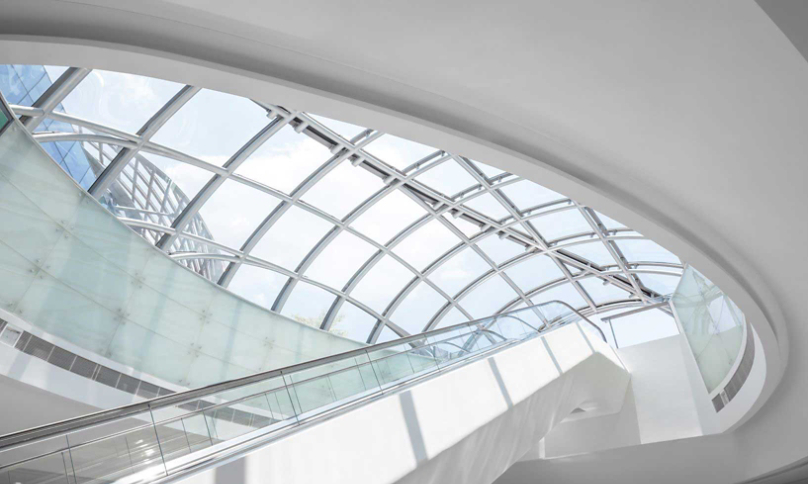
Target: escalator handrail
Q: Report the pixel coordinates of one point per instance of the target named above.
(104, 416)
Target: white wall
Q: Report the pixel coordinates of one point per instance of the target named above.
(673, 186)
(666, 409)
(33, 392)
(585, 435)
(658, 406)
(466, 425)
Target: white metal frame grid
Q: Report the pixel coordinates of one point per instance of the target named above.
(166, 217)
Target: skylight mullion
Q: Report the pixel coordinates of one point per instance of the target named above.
(453, 299)
(419, 276)
(86, 125)
(294, 199)
(48, 137)
(110, 174)
(539, 241)
(429, 161)
(218, 180)
(383, 250)
(511, 208)
(596, 225)
(407, 180)
(289, 274)
(55, 94)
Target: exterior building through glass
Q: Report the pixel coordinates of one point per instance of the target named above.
(338, 226)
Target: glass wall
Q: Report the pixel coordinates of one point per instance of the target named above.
(712, 323)
(70, 268)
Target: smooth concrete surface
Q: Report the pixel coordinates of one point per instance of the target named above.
(33, 392)
(485, 415)
(663, 397)
(658, 406)
(576, 436)
(684, 120)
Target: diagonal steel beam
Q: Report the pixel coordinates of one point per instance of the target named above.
(55, 94)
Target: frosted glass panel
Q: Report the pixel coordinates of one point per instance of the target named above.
(712, 323)
(69, 267)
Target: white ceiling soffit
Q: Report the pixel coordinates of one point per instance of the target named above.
(685, 120)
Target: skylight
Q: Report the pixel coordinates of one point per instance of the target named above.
(389, 232)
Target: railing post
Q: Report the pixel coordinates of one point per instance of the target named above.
(157, 438)
(292, 402)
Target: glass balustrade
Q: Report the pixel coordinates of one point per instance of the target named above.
(161, 437)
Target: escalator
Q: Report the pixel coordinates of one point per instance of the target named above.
(456, 404)
(187, 434)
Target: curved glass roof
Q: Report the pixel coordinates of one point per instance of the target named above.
(339, 226)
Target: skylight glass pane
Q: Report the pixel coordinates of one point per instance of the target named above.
(70, 155)
(340, 260)
(534, 272)
(561, 224)
(387, 335)
(119, 100)
(487, 205)
(565, 292)
(343, 189)
(454, 316)
(646, 251)
(417, 309)
(55, 72)
(488, 170)
(397, 152)
(308, 304)
(426, 244)
(382, 283)
(258, 285)
(609, 222)
(459, 271)
(603, 293)
(526, 194)
(234, 211)
(467, 228)
(285, 160)
(488, 298)
(661, 284)
(448, 178)
(291, 238)
(188, 178)
(346, 130)
(353, 323)
(16, 82)
(212, 126)
(500, 250)
(595, 252)
(389, 216)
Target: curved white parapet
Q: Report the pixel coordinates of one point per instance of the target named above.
(72, 270)
(468, 425)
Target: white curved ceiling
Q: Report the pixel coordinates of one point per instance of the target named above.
(685, 120)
